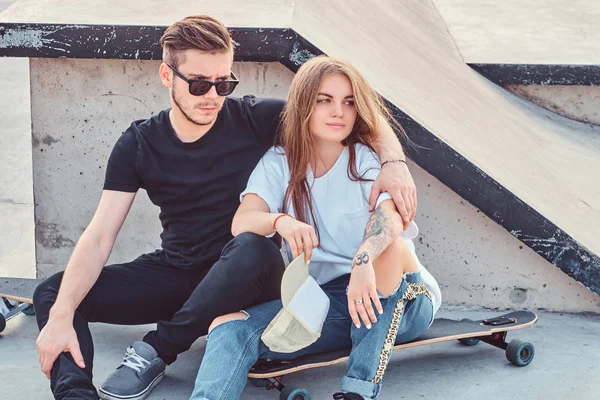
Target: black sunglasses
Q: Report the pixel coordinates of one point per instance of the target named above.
(199, 87)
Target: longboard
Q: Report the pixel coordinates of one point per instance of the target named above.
(493, 331)
(20, 291)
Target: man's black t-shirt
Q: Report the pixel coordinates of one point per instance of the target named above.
(196, 185)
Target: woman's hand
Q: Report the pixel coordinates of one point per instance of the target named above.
(362, 291)
(300, 236)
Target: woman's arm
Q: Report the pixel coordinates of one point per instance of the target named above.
(383, 228)
(253, 216)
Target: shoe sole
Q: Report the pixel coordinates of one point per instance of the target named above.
(104, 395)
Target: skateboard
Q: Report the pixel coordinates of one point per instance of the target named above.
(16, 297)
(269, 373)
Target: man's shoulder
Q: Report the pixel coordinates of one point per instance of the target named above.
(146, 127)
(149, 125)
(142, 129)
(250, 99)
(252, 104)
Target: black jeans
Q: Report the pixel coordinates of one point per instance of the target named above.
(184, 303)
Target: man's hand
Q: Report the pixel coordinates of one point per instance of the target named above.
(395, 178)
(56, 337)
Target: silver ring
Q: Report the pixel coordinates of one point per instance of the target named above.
(359, 302)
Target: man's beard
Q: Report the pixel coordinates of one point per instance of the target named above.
(202, 121)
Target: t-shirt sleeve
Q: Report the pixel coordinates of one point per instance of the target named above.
(264, 115)
(121, 174)
(369, 167)
(267, 180)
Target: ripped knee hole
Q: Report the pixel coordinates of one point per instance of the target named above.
(227, 318)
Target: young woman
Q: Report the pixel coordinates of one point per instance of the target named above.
(313, 190)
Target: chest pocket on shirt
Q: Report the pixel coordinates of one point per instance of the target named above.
(349, 231)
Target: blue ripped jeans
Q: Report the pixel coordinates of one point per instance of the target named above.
(233, 347)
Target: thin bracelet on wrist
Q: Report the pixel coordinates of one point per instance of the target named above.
(277, 219)
(390, 161)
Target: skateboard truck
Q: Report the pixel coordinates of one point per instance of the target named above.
(13, 312)
(499, 321)
(16, 296)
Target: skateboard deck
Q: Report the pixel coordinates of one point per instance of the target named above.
(20, 291)
(492, 331)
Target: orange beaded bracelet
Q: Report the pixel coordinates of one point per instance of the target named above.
(277, 219)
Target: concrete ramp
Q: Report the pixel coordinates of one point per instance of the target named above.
(551, 32)
(547, 162)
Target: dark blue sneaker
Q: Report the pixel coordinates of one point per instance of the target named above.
(137, 375)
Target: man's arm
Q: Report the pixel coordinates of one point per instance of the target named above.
(395, 178)
(86, 262)
(386, 142)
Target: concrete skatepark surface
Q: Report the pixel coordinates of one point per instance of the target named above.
(565, 364)
(524, 32)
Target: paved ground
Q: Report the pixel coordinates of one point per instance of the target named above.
(566, 365)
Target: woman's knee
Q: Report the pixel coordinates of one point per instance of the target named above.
(418, 316)
(391, 266)
(227, 318)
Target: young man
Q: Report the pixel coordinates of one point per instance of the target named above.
(193, 160)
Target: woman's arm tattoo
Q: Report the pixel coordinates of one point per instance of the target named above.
(379, 234)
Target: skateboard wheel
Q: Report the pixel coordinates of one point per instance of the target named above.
(2, 323)
(258, 382)
(469, 341)
(29, 311)
(520, 353)
(291, 392)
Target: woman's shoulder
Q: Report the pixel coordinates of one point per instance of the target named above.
(276, 153)
(366, 158)
(275, 157)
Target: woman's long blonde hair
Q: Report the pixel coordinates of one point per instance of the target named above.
(297, 140)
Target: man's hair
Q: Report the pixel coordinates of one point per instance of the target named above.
(199, 32)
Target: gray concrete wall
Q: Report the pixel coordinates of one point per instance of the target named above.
(581, 103)
(17, 250)
(80, 107)
(478, 263)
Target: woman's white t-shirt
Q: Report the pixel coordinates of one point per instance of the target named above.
(341, 208)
